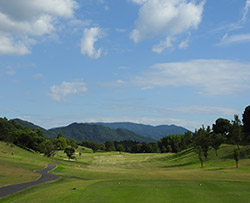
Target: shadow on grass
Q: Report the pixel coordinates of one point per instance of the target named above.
(179, 165)
(244, 153)
(186, 154)
(215, 169)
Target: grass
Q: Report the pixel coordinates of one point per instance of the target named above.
(17, 165)
(114, 177)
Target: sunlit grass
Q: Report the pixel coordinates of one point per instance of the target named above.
(115, 177)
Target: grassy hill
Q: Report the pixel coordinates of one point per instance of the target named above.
(98, 133)
(154, 132)
(114, 177)
(17, 165)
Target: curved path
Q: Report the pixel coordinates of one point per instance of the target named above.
(4, 191)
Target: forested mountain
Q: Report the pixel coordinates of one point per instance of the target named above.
(156, 133)
(98, 133)
(49, 134)
(101, 132)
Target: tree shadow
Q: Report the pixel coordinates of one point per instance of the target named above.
(179, 165)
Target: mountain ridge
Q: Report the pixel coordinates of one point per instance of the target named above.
(98, 133)
(128, 130)
(84, 131)
(154, 132)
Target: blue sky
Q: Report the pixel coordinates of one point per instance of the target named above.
(182, 62)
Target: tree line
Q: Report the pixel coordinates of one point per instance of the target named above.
(234, 132)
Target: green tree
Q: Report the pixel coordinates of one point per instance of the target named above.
(69, 152)
(72, 143)
(216, 141)
(136, 148)
(168, 148)
(164, 149)
(236, 131)
(246, 124)
(187, 139)
(202, 140)
(200, 154)
(236, 157)
(222, 126)
(49, 148)
(120, 148)
(61, 142)
(109, 146)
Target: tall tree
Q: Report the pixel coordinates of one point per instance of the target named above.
(70, 152)
(200, 154)
(216, 141)
(246, 124)
(202, 140)
(236, 131)
(222, 126)
(236, 157)
(61, 142)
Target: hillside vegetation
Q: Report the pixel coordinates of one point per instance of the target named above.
(98, 133)
(154, 132)
(95, 133)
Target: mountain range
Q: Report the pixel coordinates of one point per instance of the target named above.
(154, 132)
(98, 133)
(101, 132)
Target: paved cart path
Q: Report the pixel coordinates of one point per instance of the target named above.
(4, 191)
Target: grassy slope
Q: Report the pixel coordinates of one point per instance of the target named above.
(18, 168)
(115, 177)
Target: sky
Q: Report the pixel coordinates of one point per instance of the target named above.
(182, 62)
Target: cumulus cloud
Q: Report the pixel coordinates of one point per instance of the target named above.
(209, 77)
(60, 92)
(9, 46)
(24, 19)
(166, 17)
(89, 38)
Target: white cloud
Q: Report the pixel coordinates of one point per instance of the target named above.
(235, 39)
(23, 19)
(9, 46)
(139, 1)
(184, 43)
(210, 77)
(245, 10)
(166, 17)
(60, 92)
(89, 38)
(163, 44)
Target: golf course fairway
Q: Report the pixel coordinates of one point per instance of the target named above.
(114, 177)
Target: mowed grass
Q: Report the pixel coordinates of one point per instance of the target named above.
(114, 177)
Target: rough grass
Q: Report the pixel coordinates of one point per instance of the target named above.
(17, 165)
(114, 177)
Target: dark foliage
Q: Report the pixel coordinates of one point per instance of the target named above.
(32, 139)
(246, 124)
